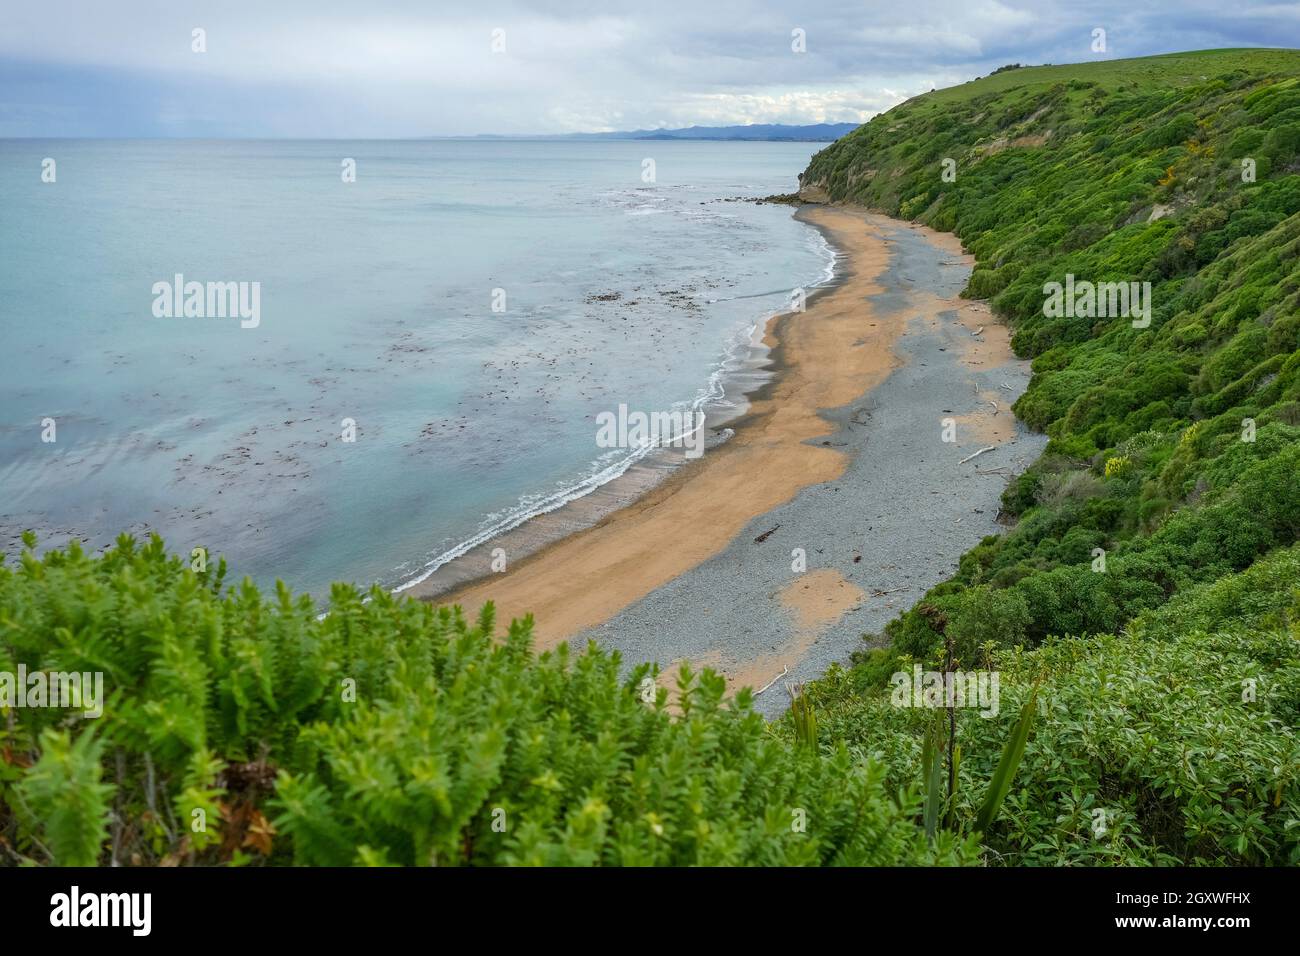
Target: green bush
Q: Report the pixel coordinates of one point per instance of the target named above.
(390, 732)
(984, 615)
(1265, 595)
(1187, 747)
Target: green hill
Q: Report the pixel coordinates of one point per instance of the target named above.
(1170, 70)
(1173, 447)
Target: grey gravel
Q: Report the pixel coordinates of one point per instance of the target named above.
(904, 504)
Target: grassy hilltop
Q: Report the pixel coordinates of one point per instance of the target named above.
(1168, 71)
(1147, 713)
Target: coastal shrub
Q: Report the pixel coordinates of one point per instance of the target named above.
(245, 730)
(1264, 596)
(1173, 132)
(1145, 752)
(984, 615)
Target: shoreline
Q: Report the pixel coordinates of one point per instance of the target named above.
(751, 370)
(819, 359)
(754, 364)
(840, 464)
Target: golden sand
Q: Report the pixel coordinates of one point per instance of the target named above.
(828, 356)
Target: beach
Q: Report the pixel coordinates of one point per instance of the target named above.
(836, 502)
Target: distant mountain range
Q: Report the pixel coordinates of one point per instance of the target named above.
(777, 132)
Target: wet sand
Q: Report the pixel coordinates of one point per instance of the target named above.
(840, 458)
(825, 356)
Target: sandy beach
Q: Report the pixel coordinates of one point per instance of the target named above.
(763, 558)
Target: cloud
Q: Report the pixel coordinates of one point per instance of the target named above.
(408, 68)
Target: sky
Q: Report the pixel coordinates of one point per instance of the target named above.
(401, 68)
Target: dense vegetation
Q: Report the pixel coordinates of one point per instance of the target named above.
(390, 732)
(1178, 736)
(243, 730)
(1148, 703)
(1173, 457)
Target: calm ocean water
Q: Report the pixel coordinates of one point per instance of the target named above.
(376, 305)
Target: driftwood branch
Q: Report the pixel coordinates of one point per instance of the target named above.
(977, 454)
(784, 671)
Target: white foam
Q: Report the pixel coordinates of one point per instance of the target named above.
(614, 465)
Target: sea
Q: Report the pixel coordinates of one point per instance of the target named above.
(428, 334)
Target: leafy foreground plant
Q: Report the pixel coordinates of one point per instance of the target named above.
(241, 729)
(394, 733)
(1144, 752)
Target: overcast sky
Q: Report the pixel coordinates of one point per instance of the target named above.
(370, 68)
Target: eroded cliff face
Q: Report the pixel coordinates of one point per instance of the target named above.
(814, 188)
(812, 191)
